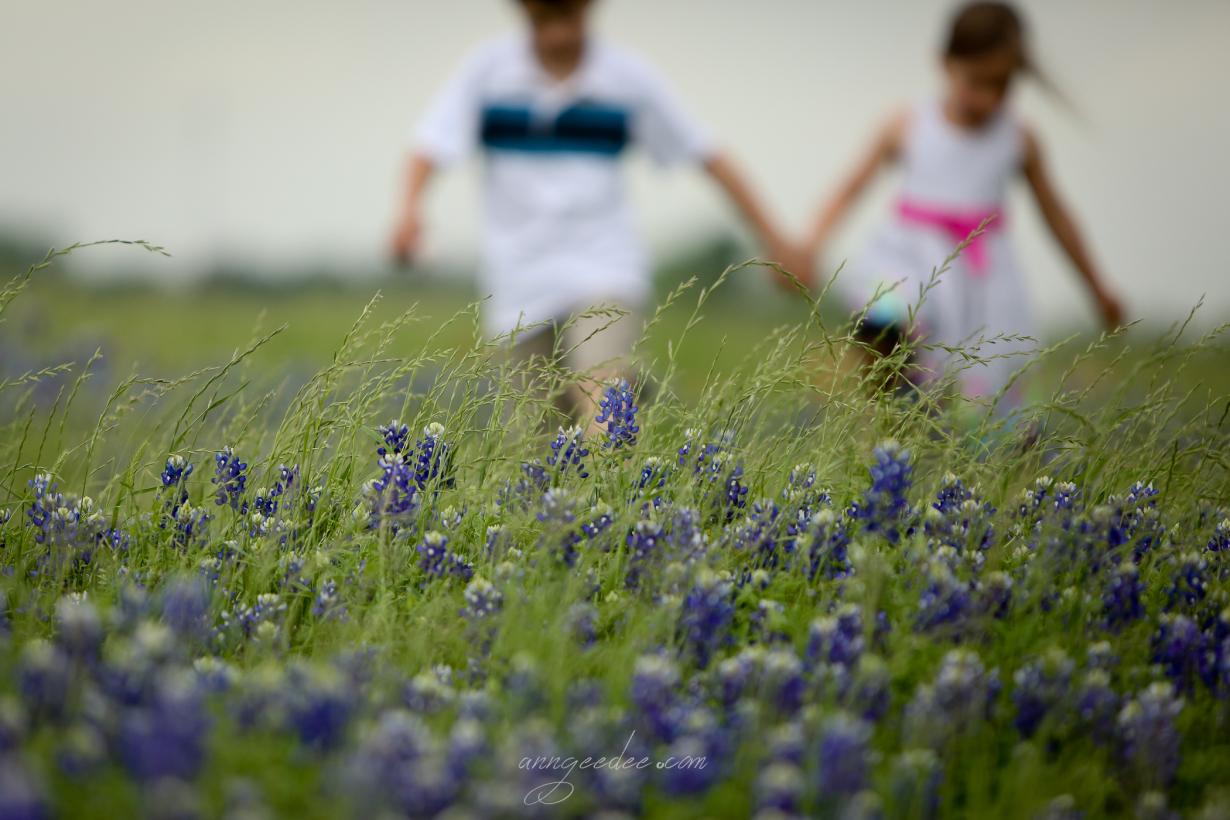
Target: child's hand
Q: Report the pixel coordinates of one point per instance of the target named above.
(1111, 309)
(407, 236)
(794, 258)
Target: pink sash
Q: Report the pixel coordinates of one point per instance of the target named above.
(959, 225)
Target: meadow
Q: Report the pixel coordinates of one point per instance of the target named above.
(313, 556)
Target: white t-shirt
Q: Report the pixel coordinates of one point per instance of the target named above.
(558, 234)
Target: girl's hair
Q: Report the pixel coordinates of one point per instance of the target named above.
(985, 27)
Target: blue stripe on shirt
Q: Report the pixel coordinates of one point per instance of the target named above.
(584, 128)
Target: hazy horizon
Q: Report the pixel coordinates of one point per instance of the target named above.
(271, 134)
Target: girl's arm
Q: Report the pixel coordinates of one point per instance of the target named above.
(1061, 225)
(777, 248)
(885, 149)
(408, 231)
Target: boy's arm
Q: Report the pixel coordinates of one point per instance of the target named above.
(408, 230)
(777, 248)
(1061, 225)
(885, 149)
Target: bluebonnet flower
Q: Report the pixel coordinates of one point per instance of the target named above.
(467, 744)
(1148, 735)
(582, 623)
(1220, 541)
(296, 574)
(944, 601)
(258, 698)
(496, 541)
(483, 600)
(534, 480)
(1097, 706)
(214, 675)
(1041, 687)
(44, 504)
(1137, 521)
(687, 536)
(843, 758)
(22, 795)
(866, 805)
(393, 496)
(248, 621)
(870, 692)
(993, 595)
(653, 474)
(1154, 805)
(396, 435)
(525, 688)
(1101, 655)
(959, 519)
(655, 693)
(706, 616)
(174, 476)
(433, 460)
(645, 548)
(190, 525)
(961, 696)
(692, 772)
(828, 548)
(914, 784)
(81, 752)
(779, 787)
(441, 563)
(1188, 584)
(1062, 807)
(733, 676)
(231, 478)
(786, 742)
(567, 451)
(329, 604)
(761, 533)
(185, 608)
(837, 639)
(767, 623)
(13, 725)
(618, 413)
(600, 520)
(81, 628)
(43, 677)
(399, 764)
(1121, 602)
(265, 500)
(782, 682)
(318, 706)
(885, 506)
(560, 534)
(1047, 496)
(166, 738)
(1183, 650)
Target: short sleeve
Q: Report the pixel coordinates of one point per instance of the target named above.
(665, 126)
(448, 130)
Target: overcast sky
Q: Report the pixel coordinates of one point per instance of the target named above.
(271, 132)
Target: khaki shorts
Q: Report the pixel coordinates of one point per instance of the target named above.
(596, 346)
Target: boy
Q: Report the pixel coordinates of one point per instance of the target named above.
(554, 108)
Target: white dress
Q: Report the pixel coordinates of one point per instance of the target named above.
(951, 179)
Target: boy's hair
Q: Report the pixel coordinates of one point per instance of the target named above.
(985, 27)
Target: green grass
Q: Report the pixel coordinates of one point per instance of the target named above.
(305, 377)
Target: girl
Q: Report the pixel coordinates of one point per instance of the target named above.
(958, 154)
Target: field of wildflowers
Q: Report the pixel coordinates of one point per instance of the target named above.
(792, 596)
